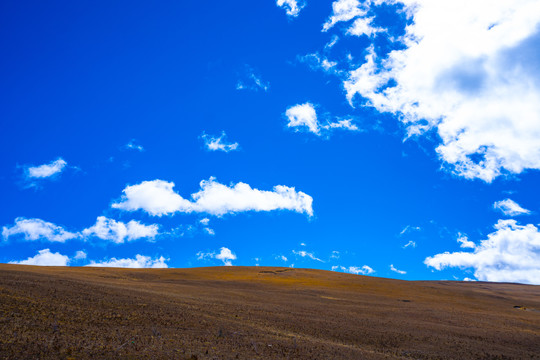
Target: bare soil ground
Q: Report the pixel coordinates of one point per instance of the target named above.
(259, 313)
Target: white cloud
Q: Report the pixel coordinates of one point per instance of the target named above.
(225, 255)
(133, 145)
(79, 255)
(304, 254)
(37, 229)
(364, 26)
(292, 7)
(46, 170)
(465, 243)
(341, 124)
(335, 255)
(316, 62)
(282, 258)
(158, 198)
(205, 223)
(510, 208)
(510, 254)
(409, 228)
(396, 270)
(304, 117)
(364, 270)
(45, 258)
(252, 81)
(476, 85)
(119, 232)
(140, 261)
(410, 243)
(344, 10)
(213, 143)
(332, 42)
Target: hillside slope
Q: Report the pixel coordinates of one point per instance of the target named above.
(258, 313)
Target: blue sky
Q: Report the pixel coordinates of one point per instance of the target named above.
(388, 138)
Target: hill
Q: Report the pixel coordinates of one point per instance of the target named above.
(259, 313)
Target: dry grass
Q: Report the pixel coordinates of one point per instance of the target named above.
(259, 313)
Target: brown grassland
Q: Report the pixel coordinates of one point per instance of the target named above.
(259, 313)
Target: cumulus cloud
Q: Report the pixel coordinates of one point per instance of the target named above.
(510, 208)
(46, 170)
(140, 261)
(476, 85)
(45, 258)
(304, 117)
(291, 7)
(364, 270)
(220, 143)
(158, 198)
(510, 254)
(225, 255)
(119, 232)
(37, 229)
(304, 254)
(396, 270)
(465, 243)
(347, 10)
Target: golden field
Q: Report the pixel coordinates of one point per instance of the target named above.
(259, 313)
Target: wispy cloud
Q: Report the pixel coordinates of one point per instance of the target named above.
(306, 254)
(80, 255)
(134, 145)
(409, 228)
(319, 62)
(410, 244)
(396, 270)
(214, 143)
(282, 258)
(510, 208)
(158, 198)
(250, 80)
